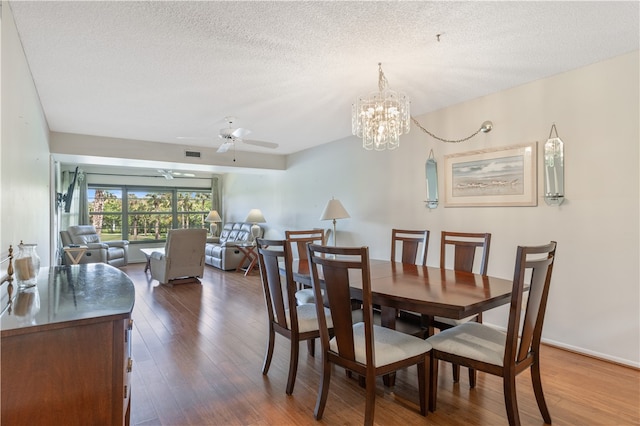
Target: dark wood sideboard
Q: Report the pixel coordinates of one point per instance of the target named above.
(66, 348)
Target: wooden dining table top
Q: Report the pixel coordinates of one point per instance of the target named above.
(424, 289)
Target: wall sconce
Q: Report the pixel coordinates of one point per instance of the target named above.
(431, 172)
(554, 169)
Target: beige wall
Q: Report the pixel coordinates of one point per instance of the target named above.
(594, 304)
(26, 205)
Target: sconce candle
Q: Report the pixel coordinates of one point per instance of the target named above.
(554, 169)
(431, 171)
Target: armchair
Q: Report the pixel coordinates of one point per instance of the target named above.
(115, 253)
(183, 257)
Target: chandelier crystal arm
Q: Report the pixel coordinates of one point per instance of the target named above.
(484, 128)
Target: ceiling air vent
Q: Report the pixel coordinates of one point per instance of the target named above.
(194, 154)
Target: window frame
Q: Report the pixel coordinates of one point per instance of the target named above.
(125, 212)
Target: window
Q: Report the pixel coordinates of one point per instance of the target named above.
(105, 212)
(145, 214)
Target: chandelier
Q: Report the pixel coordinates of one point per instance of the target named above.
(381, 117)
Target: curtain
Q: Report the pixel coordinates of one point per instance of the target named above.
(215, 195)
(82, 203)
(216, 203)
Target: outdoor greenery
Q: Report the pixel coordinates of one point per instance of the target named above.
(148, 213)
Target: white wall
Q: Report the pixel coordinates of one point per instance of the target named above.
(26, 205)
(594, 304)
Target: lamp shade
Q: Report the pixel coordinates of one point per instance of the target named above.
(213, 216)
(334, 210)
(255, 216)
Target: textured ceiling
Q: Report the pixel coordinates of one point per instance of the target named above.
(289, 71)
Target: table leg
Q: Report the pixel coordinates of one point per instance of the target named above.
(254, 260)
(249, 254)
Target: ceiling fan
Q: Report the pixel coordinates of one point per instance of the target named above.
(170, 174)
(231, 135)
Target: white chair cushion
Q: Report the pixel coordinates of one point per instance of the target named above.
(472, 340)
(454, 322)
(389, 345)
(306, 296)
(307, 317)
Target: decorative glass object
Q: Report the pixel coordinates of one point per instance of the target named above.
(431, 171)
(554, 169)
(27, 305)
(27, 265)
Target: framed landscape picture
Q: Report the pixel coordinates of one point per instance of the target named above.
(492, 177)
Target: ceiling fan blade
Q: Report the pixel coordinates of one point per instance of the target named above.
(240, 132)
(263, 144)
(192, 138)
(225, 147)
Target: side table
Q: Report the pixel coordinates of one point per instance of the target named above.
(249, 251)
(147, 255)
(75, 253)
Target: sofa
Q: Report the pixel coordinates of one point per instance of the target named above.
(222, 252)
(114, 253)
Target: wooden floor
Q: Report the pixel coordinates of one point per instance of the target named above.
(198, 352)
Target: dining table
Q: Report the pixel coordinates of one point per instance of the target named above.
(427, 290)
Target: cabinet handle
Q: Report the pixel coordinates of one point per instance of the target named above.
(125, 391)
(129, 365)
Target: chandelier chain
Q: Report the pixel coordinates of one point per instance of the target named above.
(382, 80)
(446, 140)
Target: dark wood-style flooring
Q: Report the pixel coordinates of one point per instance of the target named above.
(198, 352)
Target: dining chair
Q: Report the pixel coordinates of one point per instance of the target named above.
(298, 240)
(295, 322)
(364, 348)
(465, 248)
(411, 246)
(505, 354)
(413, 243)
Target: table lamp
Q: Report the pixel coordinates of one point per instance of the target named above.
(255, 216)
(214, 218)
(332, 211)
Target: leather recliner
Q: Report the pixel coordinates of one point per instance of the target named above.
(223, 252)
(114, 253)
